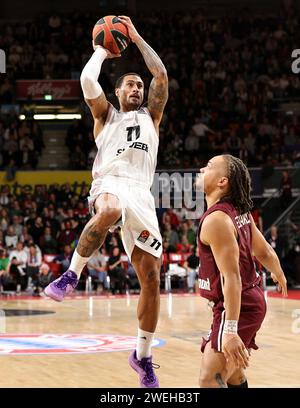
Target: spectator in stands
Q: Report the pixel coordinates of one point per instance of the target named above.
(113, 240)
(21, 256)
(2, 243)
(285, 190)
(81, 212)
(183, 246)
(47, 242)
(4, 219)
(18, 227)
(170, 236)
(67, 235)
(172, 218)
(15, 209)
(116, 272)
(44, 277)
(192, 264)
(97, 268)
(4, 270)
(17, 275)
(276, 242)
(25, 237)
(34, 261)
(64, 259)
(37, 229)
(257, 218)
(187, 229)
(4, 196)
(52, 222)
(11, 237)
(11, 279)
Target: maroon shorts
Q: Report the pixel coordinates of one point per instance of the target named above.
(253, 311)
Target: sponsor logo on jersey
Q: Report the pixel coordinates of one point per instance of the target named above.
(134, 145)
(144, 235)
(242, 220)
(139, 145)
(204, 284)
(19, 344)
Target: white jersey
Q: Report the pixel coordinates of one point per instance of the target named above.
(127, 147)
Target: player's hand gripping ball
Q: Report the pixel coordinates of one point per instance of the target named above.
(111, 34)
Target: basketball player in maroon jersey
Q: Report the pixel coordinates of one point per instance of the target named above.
(228, 240)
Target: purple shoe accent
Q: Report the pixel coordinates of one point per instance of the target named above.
(144, 368)
(62, 286)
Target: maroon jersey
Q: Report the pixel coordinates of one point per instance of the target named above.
(210, 279)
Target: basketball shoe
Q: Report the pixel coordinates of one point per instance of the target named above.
(144, 368)
(62, 286)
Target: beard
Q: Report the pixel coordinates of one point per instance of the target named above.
(133, 103)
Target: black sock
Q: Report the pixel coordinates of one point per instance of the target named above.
(243, 385)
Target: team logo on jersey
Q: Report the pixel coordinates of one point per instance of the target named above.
(204, 284)
(144, 235)
(19, 344)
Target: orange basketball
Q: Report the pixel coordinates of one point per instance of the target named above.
(111, 34)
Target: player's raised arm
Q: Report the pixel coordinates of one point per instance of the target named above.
(158, 92)
(92, 91)
(268, 257)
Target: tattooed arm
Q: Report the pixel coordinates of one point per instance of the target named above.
(158, 92)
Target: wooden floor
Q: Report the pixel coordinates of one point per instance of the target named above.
(183, 321)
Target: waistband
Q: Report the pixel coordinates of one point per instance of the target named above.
(124, 181)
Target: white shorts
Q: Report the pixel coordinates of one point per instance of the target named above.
(139, 224)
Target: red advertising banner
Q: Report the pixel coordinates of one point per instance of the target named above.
(58, 89)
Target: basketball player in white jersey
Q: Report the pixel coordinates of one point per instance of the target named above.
(127, 141)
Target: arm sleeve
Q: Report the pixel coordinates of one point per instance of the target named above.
(90, 73)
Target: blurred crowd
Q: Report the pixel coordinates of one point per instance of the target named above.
(21, 144)
(227, 78)
(39, 232)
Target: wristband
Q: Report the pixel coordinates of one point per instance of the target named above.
(230, 327)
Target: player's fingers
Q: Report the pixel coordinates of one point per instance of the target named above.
(111, 55)
(236, 360)
(243, 357)
(274, 278)
(124, 18)
(284, 289)
(232, 358)
(226, 355)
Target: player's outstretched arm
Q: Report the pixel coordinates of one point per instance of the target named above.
(219, 233)
(268, 257)
(92, 91)
(158, 92)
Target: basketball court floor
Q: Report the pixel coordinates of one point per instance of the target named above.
(86, 340)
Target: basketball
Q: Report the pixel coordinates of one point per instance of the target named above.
(111, 34)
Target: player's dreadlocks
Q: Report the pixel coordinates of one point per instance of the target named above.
(239, 184)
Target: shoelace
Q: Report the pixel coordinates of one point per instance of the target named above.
(64, 281)
(149, 370)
